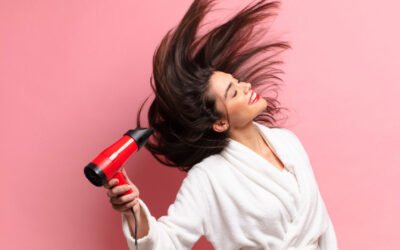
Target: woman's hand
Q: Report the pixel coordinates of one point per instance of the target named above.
(120, 202)
(124, 202)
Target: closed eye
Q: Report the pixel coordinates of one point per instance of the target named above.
(236, 90)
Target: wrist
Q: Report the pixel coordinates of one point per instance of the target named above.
(129, 215)
(142, 222)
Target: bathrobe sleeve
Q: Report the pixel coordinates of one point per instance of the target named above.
(184, 223)
(328, 240)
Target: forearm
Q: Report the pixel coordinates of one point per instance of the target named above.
(142, 223)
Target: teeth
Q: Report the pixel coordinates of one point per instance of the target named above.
(253, 97)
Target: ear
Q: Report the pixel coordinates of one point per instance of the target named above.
(220, 126)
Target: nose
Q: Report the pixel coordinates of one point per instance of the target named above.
(247, 87)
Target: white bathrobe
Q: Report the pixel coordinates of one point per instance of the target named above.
(239, 200)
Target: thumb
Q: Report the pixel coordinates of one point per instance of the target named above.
(129, 181)
(126, 176)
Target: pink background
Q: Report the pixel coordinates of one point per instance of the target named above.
(72, 76)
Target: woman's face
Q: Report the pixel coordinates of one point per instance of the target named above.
(241, 102)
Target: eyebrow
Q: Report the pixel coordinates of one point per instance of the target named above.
(227, 89)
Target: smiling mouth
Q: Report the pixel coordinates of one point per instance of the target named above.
(254, 97)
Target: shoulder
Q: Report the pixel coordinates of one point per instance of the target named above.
(287, 138)
(198, 180)
(288, 134)
(293, 139)
(206, 165)
(210, 170)
(281, 133)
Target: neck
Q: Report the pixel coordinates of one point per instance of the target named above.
(249, 136)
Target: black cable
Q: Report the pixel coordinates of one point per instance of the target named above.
(135, 233)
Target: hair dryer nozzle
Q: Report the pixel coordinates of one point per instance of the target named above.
(107, 164)
(95, 175)
(140, 135)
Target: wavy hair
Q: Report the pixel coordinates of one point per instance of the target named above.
(183, 111)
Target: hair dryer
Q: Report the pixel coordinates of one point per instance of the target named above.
(108, 163)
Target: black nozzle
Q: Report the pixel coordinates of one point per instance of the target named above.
(140, 135)
(95, 175)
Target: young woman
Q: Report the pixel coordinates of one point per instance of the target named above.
(249, 183)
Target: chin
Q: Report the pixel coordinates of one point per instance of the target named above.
(263, 103)
(261, 108)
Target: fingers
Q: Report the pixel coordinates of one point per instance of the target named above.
(115, 189)
(124, 172)
(120, 190)
(111, 183)
(125, 207)
(119, 200)
(124, 199)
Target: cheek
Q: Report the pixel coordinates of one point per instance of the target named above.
(238, 110)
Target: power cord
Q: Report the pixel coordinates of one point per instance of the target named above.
(135, 233)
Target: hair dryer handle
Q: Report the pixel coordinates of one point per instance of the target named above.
(121, 181)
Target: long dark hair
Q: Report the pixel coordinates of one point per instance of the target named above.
(183, 111)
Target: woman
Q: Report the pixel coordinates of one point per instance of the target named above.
(248, 185)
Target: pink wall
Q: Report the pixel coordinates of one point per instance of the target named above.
(73, 73)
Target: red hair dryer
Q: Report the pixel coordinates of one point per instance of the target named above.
(108, 163)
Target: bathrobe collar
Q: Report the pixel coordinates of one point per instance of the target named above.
(298, 201)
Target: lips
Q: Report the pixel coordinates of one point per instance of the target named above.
(255, 99)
